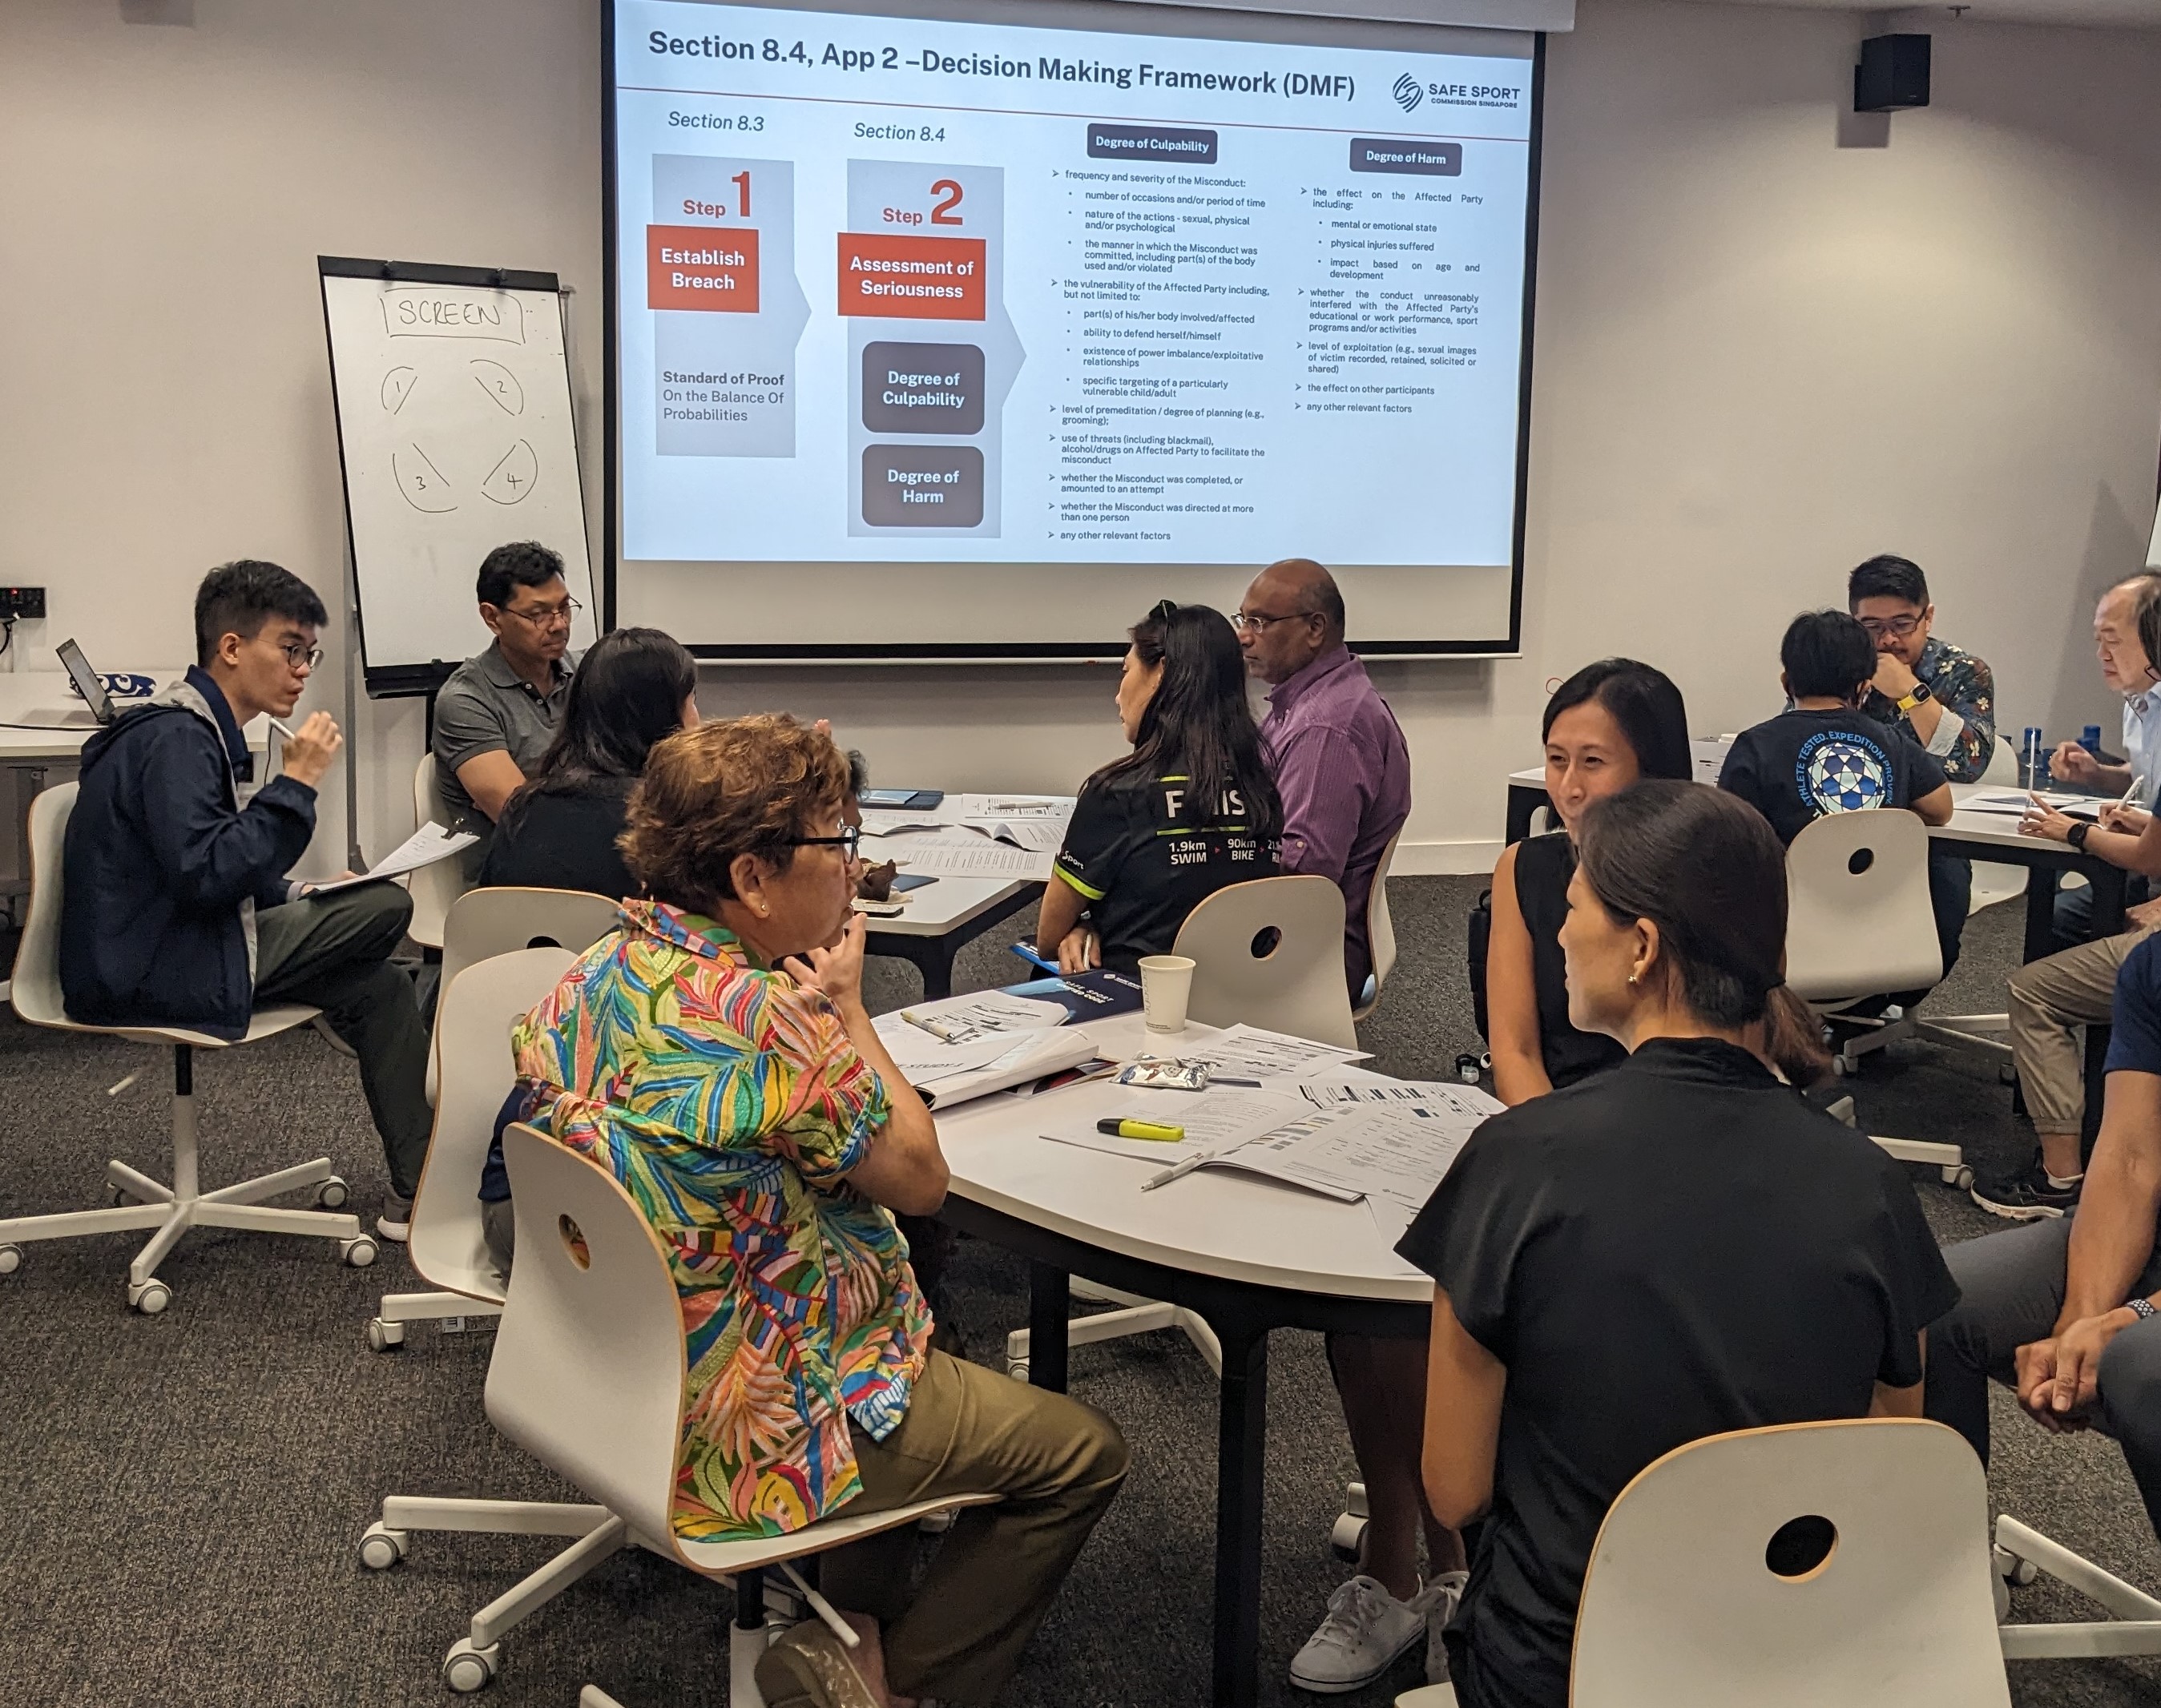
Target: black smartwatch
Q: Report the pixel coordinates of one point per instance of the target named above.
(2076, 835)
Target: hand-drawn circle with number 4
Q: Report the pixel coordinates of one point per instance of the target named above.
(510, 479)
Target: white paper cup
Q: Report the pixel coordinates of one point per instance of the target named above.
(1166, 983)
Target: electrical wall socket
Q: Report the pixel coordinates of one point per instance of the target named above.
(21, 601)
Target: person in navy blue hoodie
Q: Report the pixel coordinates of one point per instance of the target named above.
(176, 907)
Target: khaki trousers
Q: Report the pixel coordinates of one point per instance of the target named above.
(2051, 999)
(970, 1430)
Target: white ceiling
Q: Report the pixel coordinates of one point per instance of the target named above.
(2120, 14)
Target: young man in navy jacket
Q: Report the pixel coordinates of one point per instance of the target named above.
(177, 910)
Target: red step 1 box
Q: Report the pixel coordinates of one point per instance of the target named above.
(708, 267)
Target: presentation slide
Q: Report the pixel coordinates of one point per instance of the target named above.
(932, 330)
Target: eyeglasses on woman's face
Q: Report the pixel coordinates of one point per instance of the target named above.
(850, 843)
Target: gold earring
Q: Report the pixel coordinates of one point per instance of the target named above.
(1632, 978)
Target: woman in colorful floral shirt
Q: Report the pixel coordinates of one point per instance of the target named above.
(714, 1055)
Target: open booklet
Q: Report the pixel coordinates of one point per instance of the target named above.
(426, 846)
(967, 1047)
(1346, 1135)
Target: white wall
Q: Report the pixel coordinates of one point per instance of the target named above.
(1771, 340)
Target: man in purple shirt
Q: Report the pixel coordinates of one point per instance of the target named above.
(1339, 761)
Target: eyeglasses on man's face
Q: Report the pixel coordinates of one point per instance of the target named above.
(1897, 628)
(1254, 621)
(850, 843)
(300, 655)
(544, 617)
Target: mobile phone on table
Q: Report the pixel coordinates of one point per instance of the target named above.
(912, 880)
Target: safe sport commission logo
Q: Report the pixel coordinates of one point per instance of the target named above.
(1409, 92)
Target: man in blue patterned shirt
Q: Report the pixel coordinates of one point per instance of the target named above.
(1940, 694)
(1937, 693)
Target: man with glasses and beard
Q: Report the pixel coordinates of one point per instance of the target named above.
(1940, 694)
(498, 712)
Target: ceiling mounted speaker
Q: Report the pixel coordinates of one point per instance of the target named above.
(1892, 74)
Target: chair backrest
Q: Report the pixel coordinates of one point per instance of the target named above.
(1270, 953)
(1380, 927)
(473, 1046)
(1710, 1581)
(486, 922)
(433, 888)
(1857, 917)
(35, 991)
(588, 1371)
(2002, 763)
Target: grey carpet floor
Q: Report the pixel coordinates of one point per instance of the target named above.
(181, 1497)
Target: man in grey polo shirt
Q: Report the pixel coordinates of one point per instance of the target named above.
(496, 715)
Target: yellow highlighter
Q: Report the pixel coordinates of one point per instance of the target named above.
(1115, 1128)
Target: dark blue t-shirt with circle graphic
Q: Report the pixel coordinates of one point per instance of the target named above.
(1803, 766)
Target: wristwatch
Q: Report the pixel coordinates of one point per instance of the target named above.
(2142, 1308)
(1920, 693)
(2076, 835)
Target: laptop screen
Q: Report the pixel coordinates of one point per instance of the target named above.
(86, 682)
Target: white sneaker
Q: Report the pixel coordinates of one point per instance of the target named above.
(1365, 1631)
(1438, 1601)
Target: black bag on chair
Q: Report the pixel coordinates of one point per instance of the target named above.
(1479, 930)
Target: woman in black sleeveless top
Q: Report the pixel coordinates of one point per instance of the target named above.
(1609, 725)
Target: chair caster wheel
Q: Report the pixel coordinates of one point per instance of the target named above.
(1017, 1368)
(360, 1252)
(1958, 1175)
(149, 1297)
(2014, 1569)
(466, 1669)
(332, 1194)
(384, 1336)
(120, 1196)
(382, 1547)
(1841, 1067)
(11, 1259)
(1347, 1537)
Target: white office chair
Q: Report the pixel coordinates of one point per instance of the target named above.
(173, 1209)
(433, 888)
(486, 922)
(588, 1376)
(447, 1247)
(1858, 924)
(1380, 933)
(2022, 1554)
(1270, 953)
(1843, 1562)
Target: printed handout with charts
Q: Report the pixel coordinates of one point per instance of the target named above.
(1388, 1142)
